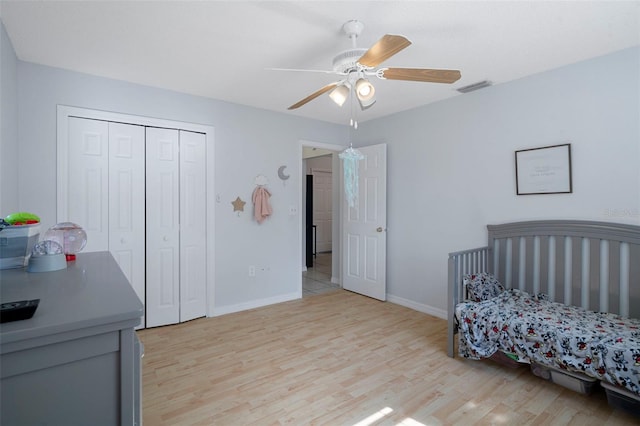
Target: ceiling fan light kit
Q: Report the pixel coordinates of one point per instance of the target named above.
(366, 93)
(340, 94)
(356, 64)
(364, 89)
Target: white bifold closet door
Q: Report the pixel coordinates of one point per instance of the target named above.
(88, 181)
(126, 208)
(193, 241)
(105, 191)
(175, 226)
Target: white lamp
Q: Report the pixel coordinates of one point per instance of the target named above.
(340, 94)
(365, 92)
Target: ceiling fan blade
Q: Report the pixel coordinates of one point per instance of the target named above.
(384, 48)
(314, 95)
(420, 74)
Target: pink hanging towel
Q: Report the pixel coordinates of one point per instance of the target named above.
(261, 207)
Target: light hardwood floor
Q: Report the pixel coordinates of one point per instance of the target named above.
(337, 359)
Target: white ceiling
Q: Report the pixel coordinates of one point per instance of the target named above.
(223, 49)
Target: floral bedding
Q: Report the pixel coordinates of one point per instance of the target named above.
(601, 345)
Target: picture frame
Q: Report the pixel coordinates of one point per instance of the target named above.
(544, 170)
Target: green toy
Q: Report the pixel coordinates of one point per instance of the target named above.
(22, 218)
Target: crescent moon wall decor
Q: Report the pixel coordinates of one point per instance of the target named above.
(281, 173)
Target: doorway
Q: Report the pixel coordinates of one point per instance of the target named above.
(359, 250)
(320, 218)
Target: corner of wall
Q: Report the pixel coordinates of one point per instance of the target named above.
(8, 124)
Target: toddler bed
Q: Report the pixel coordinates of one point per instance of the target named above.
(557, 293)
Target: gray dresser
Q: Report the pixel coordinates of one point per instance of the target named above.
(77, 361)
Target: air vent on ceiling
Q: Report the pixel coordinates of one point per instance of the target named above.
(474, 86)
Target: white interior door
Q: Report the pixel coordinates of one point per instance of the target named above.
(163, 244)
(364, 228)
(193, 242)
(322, 208)
(126, 202)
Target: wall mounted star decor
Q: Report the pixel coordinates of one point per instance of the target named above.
(238, 205)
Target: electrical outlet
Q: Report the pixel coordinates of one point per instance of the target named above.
(252, 271)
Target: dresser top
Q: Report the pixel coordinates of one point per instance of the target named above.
(92, 291)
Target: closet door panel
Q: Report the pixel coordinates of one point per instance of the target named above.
(126, 202)
(163, 235)
(193, 272)
(88, 182)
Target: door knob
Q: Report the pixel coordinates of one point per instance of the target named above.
(379, 229)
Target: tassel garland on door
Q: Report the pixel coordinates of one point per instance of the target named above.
(351, 157)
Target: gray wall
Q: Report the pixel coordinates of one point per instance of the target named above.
(451, 167)
(8, 126)
(248, 142)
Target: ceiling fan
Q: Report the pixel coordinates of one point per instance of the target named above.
(356, 65)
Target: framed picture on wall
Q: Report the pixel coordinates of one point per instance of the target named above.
(544, 170)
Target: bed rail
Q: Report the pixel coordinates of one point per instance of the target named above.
(593, 265)
(461, 263)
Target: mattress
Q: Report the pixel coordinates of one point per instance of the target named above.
(601, 345)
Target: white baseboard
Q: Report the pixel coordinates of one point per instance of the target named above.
(436, 312)
(229, 309)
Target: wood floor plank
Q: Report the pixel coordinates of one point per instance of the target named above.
(338, 359)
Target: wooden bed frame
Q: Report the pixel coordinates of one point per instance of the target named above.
(593, 265)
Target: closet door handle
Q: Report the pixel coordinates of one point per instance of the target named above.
(165, 238)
